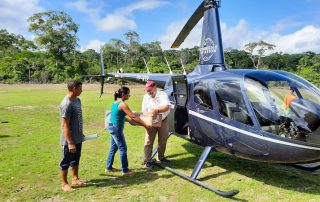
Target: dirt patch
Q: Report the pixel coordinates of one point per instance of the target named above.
(53, 107)
(20, 107)
(53, 199)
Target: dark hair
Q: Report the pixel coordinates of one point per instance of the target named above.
(121, 92)
(73, 84)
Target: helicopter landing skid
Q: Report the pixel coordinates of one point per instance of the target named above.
(306, 167)
(196, 172)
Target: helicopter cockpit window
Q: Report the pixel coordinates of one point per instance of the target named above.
(285, 107)
(230, 101)
(202, 94)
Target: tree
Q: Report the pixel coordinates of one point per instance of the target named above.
(13, 43)
(92, 60)
(237, 59)
(309, 67)
(119, 46)
(153, 49)
(132, 37)
(56, 32)
(7, 40)
(275, 61)
(157, 65)
(133, 47)
(260, 47)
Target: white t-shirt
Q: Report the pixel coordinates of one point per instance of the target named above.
(149, 103)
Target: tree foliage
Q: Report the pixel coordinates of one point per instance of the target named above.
(256, 51)
(56, 32)
(54, 56)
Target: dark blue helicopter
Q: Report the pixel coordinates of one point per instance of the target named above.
(268, 116)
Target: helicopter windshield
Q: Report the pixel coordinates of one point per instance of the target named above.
(285, 106)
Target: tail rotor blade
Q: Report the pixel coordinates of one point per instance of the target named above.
(194, 19)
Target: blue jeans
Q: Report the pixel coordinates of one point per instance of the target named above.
(117, 141)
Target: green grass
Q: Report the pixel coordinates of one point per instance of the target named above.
(30, 154)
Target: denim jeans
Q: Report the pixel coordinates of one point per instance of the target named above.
(117, 141)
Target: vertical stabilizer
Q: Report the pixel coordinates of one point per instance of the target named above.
(211, 49)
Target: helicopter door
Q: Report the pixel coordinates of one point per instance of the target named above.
(180, 90)
(236, 119)
(202, 111)
(179, 112)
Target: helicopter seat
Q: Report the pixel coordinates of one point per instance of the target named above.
(234, 112)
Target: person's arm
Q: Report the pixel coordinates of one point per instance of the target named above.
(159, 110)
(124, 107)
(165, 105)
(67, 135)
(129, 120)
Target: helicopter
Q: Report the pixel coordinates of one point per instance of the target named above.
(262, 115)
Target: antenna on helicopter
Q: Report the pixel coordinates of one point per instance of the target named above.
(167, 64)
(145, 63)
(184, 70)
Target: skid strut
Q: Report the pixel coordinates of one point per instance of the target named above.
(196, 172)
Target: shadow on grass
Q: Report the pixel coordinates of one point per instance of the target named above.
(4, 136)
(284, 177)
(117, 181)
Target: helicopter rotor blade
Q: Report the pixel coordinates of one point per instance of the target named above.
(102, 85)
(194, 19)
(102, 71)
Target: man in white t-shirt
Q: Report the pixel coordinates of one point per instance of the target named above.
(155, 102)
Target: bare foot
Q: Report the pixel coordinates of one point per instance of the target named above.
(78, 183)
(67, 188)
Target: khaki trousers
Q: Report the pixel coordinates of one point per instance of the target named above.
(150, 136)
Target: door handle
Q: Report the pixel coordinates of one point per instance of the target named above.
(200, 111)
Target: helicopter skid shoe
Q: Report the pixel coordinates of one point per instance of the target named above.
(196, 171)
(306, 167)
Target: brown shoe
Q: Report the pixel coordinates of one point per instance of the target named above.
(129, 173)
(112, 170)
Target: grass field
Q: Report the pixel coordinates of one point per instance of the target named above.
(30, 154)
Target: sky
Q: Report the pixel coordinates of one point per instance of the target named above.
(292, 25)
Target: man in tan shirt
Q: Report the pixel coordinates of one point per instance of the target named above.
(155, 102)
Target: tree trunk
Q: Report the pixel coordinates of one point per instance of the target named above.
(258, 64)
